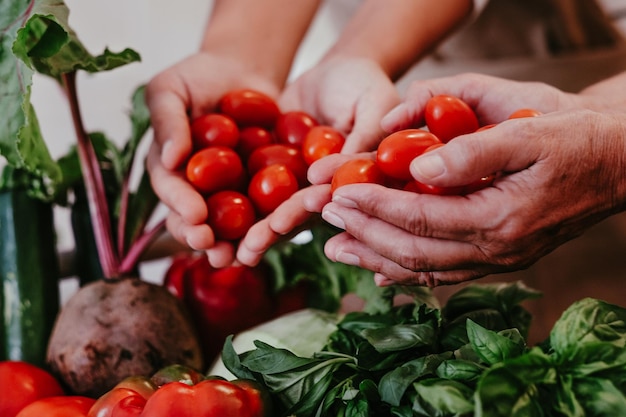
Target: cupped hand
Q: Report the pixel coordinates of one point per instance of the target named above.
(174, 97)
(349, 94)
(560, 174)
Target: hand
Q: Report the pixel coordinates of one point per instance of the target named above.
(349, 94)
(561, 173)
(176, 95)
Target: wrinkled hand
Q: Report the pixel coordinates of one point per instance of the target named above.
(349, 94)
(176, 95)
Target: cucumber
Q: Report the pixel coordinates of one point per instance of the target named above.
(29, 276)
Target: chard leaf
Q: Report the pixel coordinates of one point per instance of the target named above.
(494, 347)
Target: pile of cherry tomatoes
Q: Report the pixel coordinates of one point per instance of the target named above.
(249, 157)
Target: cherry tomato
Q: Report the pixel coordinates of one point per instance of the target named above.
(357, 171)
(126, 399)
(321, 141)
(396, 151)
(270, 186)
(231, 214)
(176, 373)
(292, 127)
(250, 108)
(64, 406)
(215, 168)
(251, 138)
(214, 130)
(131, 406)
(278, 153)
(448, 117)
(211, 397)
(23, 383)
(521, 113)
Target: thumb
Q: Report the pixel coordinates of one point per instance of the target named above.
(467, 158)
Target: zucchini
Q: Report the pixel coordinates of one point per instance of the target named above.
(29, 276)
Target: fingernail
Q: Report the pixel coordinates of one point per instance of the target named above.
(428, 166)
(347, 258)
(334, 219)
(346, 202)
(382, 281)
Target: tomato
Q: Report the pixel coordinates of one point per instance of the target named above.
(221, 301)
(63, 406)
(23, 383)
(292, 127)
(448, 117)
(214, 130)
(231, 214)
(321, 141)
(251, 138)
(259, 400)
(357, 171)
(176, 373)
(211, 397)
(131, 406)
(270, 186)
(126, 399)
(521, 113)
(215, 168)
(279, 153)
(396, 151)
(249, 108)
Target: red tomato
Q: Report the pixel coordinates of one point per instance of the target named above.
(521, 113)
(176, 373)
(270, 186)
(64, 406)
(279, 153)
(226, 301)
(396, 151)
(448, 117)
(215, 168)
(321, 141)
(292, 127)
(357, 171)
(250, 108)
(211, 397)
(251, 138)
(214, 130)
(231, 214)
(129, 407)
(118, 402)
(22, 384)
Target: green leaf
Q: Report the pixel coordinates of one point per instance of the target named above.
(494, 347)
(599, 397)
(400, 337)
(394, 384)
(447, 397)
(460, 370)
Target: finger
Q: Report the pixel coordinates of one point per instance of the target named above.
(367, 132)
(259, 238)
(413, 252)
(298, 209)
(221, 254)
(175, 191)
(198, 237)
(170, 122)
(347, 249)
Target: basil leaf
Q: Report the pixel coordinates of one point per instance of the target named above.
(494, 347)
(446, 396)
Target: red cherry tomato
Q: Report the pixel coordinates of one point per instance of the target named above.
(448, 117)
(270, 186)
(321, 141)
(214, 130)
(250, 108)
(396, 151)
(278, 153)
(231, 214)
(64, 406)
(293, 126)
(215, 168)
(521, 113)
(357, 171)
(251, 138)
(23, 383)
